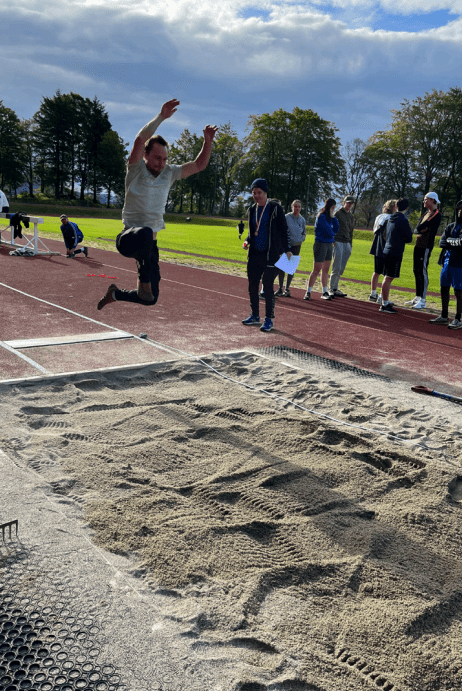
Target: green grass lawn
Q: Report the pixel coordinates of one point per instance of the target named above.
(219, 242)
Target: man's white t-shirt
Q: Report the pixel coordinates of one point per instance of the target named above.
(3, 200)
(146, 195)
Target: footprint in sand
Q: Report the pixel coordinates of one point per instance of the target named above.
(455, 489)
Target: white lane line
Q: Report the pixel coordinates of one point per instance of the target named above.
(68, 340)
(24, 357)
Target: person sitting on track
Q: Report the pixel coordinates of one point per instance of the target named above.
(72, 236)
(451, 273)
(147, 184)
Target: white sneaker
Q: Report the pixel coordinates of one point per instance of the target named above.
(414, 301)
(420, 305)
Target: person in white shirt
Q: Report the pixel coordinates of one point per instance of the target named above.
(4, 203)
(147, 184)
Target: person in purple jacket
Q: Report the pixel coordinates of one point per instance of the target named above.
(325, 230)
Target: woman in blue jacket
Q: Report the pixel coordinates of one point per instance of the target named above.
(325, 230)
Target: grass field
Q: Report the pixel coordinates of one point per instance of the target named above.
(220, 242)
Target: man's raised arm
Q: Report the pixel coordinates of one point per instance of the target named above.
(204, 156)
(148, 130)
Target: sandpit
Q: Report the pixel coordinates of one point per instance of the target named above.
(310, 548)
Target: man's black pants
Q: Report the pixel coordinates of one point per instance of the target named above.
(140, 244)
(258, 269)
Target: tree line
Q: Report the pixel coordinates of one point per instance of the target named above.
(69, 143)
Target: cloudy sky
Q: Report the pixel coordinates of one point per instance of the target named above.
(351, 61)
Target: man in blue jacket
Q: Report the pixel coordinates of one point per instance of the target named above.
(399, 232)
(451, 272)
(268, 238)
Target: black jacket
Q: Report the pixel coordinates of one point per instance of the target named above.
(427, 230)
(399, 232)
(455, 259)
(278, 234)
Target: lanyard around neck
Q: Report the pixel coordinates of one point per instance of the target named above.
(258, 221)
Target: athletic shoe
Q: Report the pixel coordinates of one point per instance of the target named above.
(388, 309)
(338, 293)
(107, 297)
(278, 293)
(261, 295)
(422, 304)
(440, 320)
(70, 256)
(307, 296)
(286, 293)
(455, 324)
(379, 301)
(252, 321)
(326, 296)
(373, 298)
(414, 301)
(85, 251)
(267, 325)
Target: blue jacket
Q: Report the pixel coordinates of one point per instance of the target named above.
(455, 258)
(325, 229)
(399, 232)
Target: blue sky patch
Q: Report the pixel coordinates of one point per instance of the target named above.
(380, 19)
(255, 12)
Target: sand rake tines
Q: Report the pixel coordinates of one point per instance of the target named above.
(8, 526)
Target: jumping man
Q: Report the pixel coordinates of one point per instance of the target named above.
(147, 184)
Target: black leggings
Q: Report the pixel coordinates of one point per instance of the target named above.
(258, 269)
(139, 244)
(421, 259)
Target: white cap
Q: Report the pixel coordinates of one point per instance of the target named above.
(432, 195)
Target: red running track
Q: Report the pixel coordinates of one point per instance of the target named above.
(200, 312)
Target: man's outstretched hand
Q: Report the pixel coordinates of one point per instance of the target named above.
(169, 108)
(209, 132)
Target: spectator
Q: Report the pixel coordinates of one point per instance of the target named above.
(72, 236)
(325, 230)
(268, 238)
(297, 235)
(426, 231)
(240, 228)
(378, 244)
(451, 273)
(4, 203)
(399, 232)
(343, 244)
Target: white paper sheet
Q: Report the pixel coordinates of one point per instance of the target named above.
(289, 266)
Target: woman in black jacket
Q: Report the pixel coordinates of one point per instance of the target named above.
(426, 232)
(451, 273)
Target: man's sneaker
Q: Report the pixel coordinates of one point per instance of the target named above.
(107, 297)
(373, 298)
(307, 296)
(286, 293)
(421, 305)
(261, 295)
(326, 296)
(85, 251)
(379, 301)
(278, 293)
(338, 293)
(252, 321)
(70, 256)
(440, 320)
(414, 301)
(455, 324)
(267, 325)
(388, 309)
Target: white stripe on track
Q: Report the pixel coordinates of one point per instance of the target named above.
(24, 357)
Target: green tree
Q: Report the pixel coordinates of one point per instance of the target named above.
(392, 160)
(12, 157)
(112, 157)
(298, 153)
(228, 151)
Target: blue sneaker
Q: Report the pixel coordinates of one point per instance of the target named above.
(252, 321)
(267, 325)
